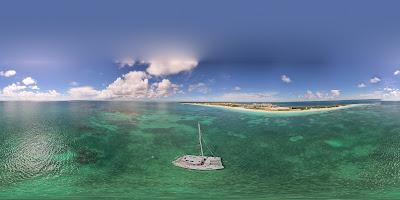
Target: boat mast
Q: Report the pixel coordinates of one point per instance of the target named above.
(201, 145)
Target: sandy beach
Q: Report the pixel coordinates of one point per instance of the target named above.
(281, 112)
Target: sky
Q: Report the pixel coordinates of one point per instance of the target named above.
(206, 50)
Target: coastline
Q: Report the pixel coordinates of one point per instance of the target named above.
(313, 110)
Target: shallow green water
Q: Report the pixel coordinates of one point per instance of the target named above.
(124, 150)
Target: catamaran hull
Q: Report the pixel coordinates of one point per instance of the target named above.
(199, 162)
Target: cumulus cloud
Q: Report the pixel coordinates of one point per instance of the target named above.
(37, 96)
(387, 93)
(237, 88)
(34, 87)
(335, 93)
(125, 62)
(85, 92)
(29, 81)
(375, 80)
(165, 67)
(199, 87)
(361, 85)
(310, 95)
(16, 91)
(165, 88)
(397, 72)
(12, 89)
(133, 85)
(391, 94)
(8, 73)
(285, 79)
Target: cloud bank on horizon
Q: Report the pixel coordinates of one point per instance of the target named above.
(142, 85)
(191, 51)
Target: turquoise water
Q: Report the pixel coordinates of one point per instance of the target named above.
(124, 150)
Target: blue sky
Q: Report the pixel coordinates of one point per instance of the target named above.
(207, 50)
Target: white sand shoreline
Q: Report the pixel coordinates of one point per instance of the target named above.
(277, 112)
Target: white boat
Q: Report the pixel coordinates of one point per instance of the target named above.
(200, 162)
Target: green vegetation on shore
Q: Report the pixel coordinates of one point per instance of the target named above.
(266, 106)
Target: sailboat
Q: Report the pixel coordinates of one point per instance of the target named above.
(200, 162)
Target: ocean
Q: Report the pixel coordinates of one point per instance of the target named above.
(85, 149)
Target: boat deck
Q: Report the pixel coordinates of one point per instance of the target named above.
(199, 162)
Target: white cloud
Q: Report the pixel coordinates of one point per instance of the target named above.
(163, 89)
(28, 81)
(16, 91)
(375, 80)
(310, 95)
(388, 89)
(27, 91)
(8, 73)
(335, 93)
(37, 96)
(285, 79)
(199, 87)
(361, 85)
(237, 88)
(11, 89)
(388, 94)
(248, 96)
(392, 94)
(397, 72)
(319, 95)
(125, 62)
(85, 92)
(170, 66)
(34, 87)
(133, 85)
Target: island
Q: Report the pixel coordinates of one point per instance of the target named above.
(269, 107)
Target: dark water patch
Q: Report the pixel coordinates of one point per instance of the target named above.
(87, 157)
(185, 122)
(85, 128)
